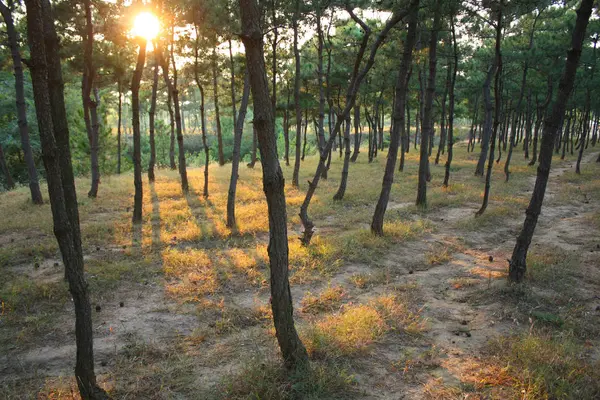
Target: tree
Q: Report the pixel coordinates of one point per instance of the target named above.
(398, 126)
(292, 349)
(297, 106)
(90, 105)
(13, 44)
(135, 122)
(47, 82)
(518, 261)
(427, 131)
(151, 114)
(451, 105)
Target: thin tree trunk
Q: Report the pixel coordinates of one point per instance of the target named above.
(235, 161)
(321, 119)
(297, 107)
(428, 113)
(172, 163)
(151, 114)
(451, 105)
(254, 148)
(286, 127)
(292, 349)
(172, 86)
(487, 124)
(398, 125)
(119, 118)
(217, 112)
(202, 112)
(497, 111)
(356, 133)
(518, 261)
(47, 82)
(90, 106)
(304, 140)
(135, 122)
(443, 128)
(346, 166)
(11, 33)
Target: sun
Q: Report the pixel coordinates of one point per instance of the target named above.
(146, 25)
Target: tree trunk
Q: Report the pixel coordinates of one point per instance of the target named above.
(34, 186)
(297, 96)
(344, 180)
(90, 106)
(518, 263)
(356, 79)
(487, 123)
(217, 113)
(151, 114)
(451, 105)
(172, 86)
(254, 148)
(286, 127)
(443, 128)
(119, 122)
(428, 113)
(497, 112)
(47, 82)
(135, 122)
(321, 120)
(235, 160)
(172, 163)
(292, 349)
(398, 125)
(304, 139)
(356, 133)
(202, 113)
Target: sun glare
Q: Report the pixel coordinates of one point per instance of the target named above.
(146, 25)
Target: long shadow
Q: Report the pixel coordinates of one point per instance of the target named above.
(155, 221)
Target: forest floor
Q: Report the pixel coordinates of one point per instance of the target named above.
(425, 312)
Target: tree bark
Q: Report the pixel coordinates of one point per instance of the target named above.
(356, 151)
(119, 122)
(487, 123)
(339, 195)
(11, 33)
(398, 125)
(47, 82)
(518, 261)
(427, 130)
(172, 162)
(292, 349)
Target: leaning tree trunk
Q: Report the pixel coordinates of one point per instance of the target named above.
(297, 106)
(217, 111)
(357, 77)
(487, 123)
(450, 129)
(398, 126)
(518, 261)
(151, 114)
(427, 130)
(339, 195)
(11, 33)
(497, 110)
(135, 122)
(235, 159)
(292, 349)
(47, 82)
